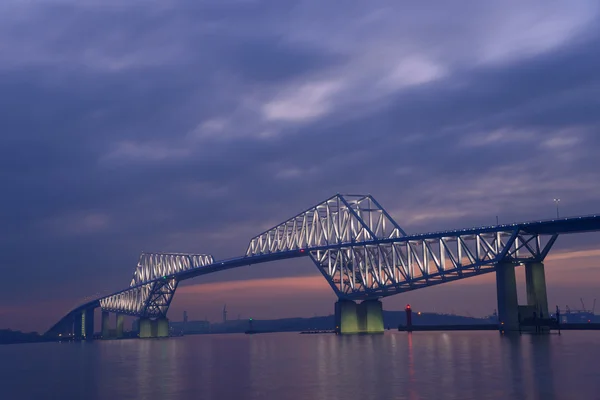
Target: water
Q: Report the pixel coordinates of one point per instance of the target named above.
(397, 365)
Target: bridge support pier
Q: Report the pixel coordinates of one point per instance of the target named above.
(370, 316)
(537, 297)
(506, 290)
(78, 326)
(145, 325)
(153, 328)
(105, 324)
(88, 324)
(352, 318)
(120, 321)
(346, 317)
(162, 327)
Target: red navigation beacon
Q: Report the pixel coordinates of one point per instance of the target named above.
(408, 318)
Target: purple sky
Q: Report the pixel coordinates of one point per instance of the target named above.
(193, 125)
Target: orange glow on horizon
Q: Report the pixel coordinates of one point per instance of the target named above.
(566, 255)
(314, 283)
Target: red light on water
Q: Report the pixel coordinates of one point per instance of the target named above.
(408, 306)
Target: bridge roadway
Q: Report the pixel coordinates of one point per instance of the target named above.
(363, 254)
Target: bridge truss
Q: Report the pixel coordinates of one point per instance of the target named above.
(359, 249)
(339, 219)
(383, 268)
(363, 252)
(153, 284)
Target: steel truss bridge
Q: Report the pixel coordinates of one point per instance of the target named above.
(358, 248)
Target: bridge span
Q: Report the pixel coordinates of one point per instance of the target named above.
(363, 254)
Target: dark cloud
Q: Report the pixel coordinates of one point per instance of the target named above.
(194, 126)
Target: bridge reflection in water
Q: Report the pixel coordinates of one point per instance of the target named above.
(363, 254)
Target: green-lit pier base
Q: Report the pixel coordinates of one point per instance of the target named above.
(156, 328)
(352, 318)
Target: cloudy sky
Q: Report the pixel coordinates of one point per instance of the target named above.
(193, 125)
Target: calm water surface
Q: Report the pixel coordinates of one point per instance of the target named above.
(397, 365)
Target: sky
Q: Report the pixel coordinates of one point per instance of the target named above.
(192, 126)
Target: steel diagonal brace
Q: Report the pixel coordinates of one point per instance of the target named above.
(373, 236)
(170, 296)
(509, 243)
(155, 294)
(436, 261)
(388, 216)
(526, 244)
(144, 308)
(548, 246)
(328, 278)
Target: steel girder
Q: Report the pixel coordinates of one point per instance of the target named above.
(339, 219)
(358, 247)
(386, 267)
(160, 298)
(131, 301)
(155, 265)
(362, 251)
(150, 291)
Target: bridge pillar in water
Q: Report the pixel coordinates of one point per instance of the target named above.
(88, 324)
(145, 325)
(370, 316)
(105, 324)
(162, 327)
(506, 290)
(78, 325)
(535, 280)
(352, 318)
(346, 317)
(153, 328)
(120, 321)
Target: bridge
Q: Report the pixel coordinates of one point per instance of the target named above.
(363, 254)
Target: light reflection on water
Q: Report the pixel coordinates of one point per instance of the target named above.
(396, 365)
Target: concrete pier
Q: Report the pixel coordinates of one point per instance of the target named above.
(88, 324)
(370, 316)
(153, 328)
(346, 318)
(352, 318)
(145, 325)
(537, 297)
(78, 325)
(105, 325)
(162, 327)
(120, 321)
(506, 290)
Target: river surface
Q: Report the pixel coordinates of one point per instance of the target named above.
(396, 365)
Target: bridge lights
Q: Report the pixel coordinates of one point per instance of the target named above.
(556, 201)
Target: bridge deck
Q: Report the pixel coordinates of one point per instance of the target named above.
(570, 225)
